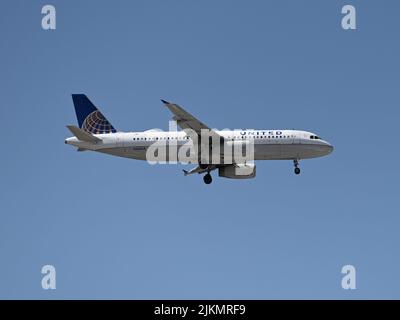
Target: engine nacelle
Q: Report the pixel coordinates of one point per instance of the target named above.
(238, 171)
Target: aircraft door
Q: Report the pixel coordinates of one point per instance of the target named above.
(119, 141)
(296, 139)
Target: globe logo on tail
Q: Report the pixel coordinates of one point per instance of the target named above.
(96, 123)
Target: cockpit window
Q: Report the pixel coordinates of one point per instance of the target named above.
(314, 137)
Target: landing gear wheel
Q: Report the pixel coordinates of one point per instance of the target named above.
(296, 166)
(207, 178)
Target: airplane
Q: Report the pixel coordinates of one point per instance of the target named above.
(95, 133)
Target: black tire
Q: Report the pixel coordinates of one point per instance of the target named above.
(297, 170)
(207, 178)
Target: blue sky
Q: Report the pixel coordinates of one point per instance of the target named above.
(118, 228)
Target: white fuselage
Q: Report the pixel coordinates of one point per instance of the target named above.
(268, 144)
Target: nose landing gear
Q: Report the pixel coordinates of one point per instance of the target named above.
(207, 178)
(296, 166)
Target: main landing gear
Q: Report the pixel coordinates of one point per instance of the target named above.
(207, 178)
(296, 166)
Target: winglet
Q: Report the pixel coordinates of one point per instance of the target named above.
(185, 172)
(165, 102)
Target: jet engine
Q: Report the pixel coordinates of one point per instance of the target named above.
(238, 171)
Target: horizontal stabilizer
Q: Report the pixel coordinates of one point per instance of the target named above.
(83, 135)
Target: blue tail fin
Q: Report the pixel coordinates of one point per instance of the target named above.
(89, 117)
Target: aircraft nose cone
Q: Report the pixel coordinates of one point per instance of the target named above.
(329, 147)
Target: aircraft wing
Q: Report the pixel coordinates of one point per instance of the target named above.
(199, 170)
(186, 121)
